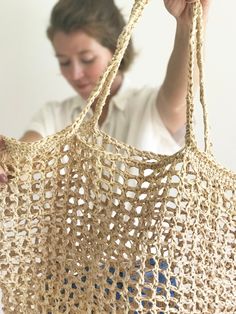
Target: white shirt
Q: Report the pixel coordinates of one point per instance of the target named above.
(132, 118)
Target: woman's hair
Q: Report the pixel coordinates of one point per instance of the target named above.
(100, 19)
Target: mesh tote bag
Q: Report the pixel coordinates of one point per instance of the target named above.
(91, 225)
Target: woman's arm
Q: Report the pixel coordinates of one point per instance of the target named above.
(171, 102)
(29, 136)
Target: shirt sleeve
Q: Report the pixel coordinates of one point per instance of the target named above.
(43, 122)
(145, 129)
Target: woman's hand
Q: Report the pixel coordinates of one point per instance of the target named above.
(3, 175)
(182, 9)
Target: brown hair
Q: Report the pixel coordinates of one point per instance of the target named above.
(100, 19)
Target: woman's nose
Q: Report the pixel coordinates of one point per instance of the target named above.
(76, 72)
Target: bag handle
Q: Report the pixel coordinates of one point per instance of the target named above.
(196, 54)
(103, 87)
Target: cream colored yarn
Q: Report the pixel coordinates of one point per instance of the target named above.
(91, 225)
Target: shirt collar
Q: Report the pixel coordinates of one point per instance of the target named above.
(119, 100)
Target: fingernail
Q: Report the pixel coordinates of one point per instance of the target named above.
(3, 178)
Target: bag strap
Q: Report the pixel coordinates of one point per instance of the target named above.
(195, 54)
(103, 87)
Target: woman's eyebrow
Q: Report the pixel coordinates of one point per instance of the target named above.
(61, 55)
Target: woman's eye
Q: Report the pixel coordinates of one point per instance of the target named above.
(87, 61)
(64, 64)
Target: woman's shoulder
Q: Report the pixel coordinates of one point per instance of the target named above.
(54, 116)
(142, 93)
(131, 96)
(136, 90)
(64, 106)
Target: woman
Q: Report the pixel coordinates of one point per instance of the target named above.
(83, 34)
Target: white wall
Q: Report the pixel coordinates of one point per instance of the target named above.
(29, 74)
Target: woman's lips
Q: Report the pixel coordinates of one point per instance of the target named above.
(82, 86)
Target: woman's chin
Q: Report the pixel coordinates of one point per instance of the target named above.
(84, 92)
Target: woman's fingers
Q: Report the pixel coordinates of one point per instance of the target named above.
(3, 176)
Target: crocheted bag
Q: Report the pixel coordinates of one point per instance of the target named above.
(91, 225)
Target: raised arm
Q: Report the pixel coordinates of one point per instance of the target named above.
(171, 97)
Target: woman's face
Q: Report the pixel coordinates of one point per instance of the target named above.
(82, 60)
